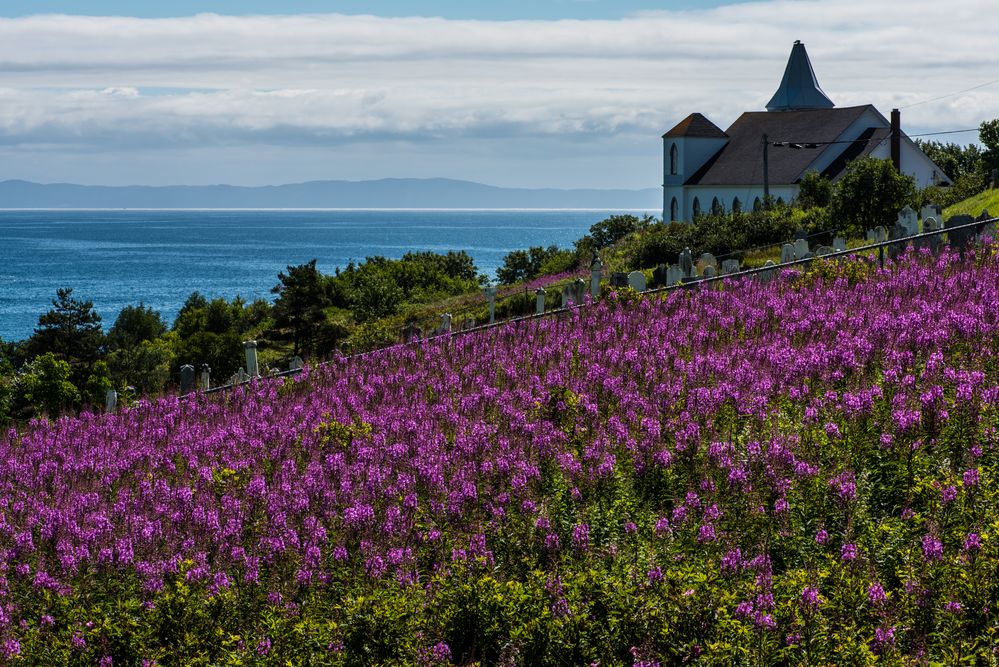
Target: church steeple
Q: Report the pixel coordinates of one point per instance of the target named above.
(799, 88)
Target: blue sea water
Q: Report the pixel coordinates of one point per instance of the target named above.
(117, 258)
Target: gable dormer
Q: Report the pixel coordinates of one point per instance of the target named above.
(691, 143)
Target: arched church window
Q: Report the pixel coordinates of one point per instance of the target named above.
(717, 208)
(757, 204)
(697, 207)
(780, 201)
(674, 156)
(674, 210)
(736, 205)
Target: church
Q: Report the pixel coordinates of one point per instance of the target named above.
(707, 169)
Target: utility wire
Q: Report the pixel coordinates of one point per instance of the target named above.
(943, 97)
(816, 144)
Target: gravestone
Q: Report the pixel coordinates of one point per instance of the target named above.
(989, 229)
(786, 253)
(705, 260)
(186, 379)
(491, 297)
(580, 291)
(823, 250)
(674, 275)
(206, 377)
(686, 263)
(446, 323)
(709, 272)
(959, 238)
(909, 221)
(839, 244)
(539, 304)
(934, 211)
(659, 276)
(769, 273)
(730, 266)
(877, 235)
(596, 270)
(800, 248)
(897, 232)
(568, 296)
(409, 332)
(296, 364)
(110, 400)
(250, 347)
(636, 281)
(800, 234)
(931, 224)
(619, 279)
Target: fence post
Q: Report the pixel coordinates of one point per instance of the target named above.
(540, 305)
(250, 347)
(491, 295)
(596, 268)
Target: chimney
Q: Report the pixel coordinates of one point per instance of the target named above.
(896, 139)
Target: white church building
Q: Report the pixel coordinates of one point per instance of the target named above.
(707, 169)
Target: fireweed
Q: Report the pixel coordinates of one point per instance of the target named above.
(791, 472)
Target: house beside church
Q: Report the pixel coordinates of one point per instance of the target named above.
(709, 169)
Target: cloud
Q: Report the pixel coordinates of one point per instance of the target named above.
(102, 83)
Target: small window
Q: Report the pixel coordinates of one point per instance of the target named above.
(757, 204)
(674, 155)
(697, 207)
(736, 205)
(674, 210)
(717, 208)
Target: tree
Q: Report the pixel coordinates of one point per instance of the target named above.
(298, 310)
(610, 230)
(71, 331)
(148, 365)
(46, 385)
(956, 161)
(871, 193)
(988, 134)
(815, 190)
(134, 325)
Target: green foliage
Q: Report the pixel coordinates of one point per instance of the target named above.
(610, 230)
(71, 331)
(47, 385)
(814, 191)
(146, 366)
(134, 325)
(298, 311)
(871, 193)
(988, 134)
(521, 265)
(956, 161)
(987, 200)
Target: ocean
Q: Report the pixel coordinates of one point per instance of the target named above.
(118, 258)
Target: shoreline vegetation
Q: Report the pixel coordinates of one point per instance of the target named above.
(71, 361)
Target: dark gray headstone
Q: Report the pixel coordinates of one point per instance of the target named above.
(619, 279)
(186, 379)
(897, 232)
(686, 263)
(659, 276)
(206, 377)
(959, 237)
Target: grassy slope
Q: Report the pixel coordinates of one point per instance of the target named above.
(987, 200)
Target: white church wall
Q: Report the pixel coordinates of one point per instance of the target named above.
(914, 163)
(870, 118)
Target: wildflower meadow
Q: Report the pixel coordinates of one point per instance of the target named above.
(798, 472)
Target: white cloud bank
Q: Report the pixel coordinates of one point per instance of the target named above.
(128, 85)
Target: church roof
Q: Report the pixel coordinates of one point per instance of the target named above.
(696, 126)
(799, 89)
(740, 161)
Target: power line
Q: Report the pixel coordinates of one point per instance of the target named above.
(943, 97)
(816, 144)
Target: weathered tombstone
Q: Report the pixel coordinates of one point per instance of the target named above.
(596, 269)
(800, 234)
(823, 250)
(730, 266)
(659, 275)
(987, 230)
(801, 248)
(206, 377)
(709, 272)
(877, 235)
(636, 281)
(296, 364)
(839, 244)
(409, 332)
(539, 304)
(705, 260)
(959, 237)
(110, 400)
(686, 263)
(242, 376)
(786, 253)
(934, 211)
(909, 221)
(897, 232)
(491, 296)
(445, 323)
(619, 279)
(674, 275)
(250, 347)
(770, 271)
(580, 291)
(568, 296)
(186, 379)
(931, 224)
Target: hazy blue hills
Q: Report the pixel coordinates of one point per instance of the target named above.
(385, 193)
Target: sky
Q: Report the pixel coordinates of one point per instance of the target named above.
(520, 93)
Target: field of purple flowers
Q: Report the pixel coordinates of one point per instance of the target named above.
(803, 472)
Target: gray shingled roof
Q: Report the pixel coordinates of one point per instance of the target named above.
(799, 89)
(696, 125)
(740, 161)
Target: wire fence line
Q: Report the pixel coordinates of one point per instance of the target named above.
(959, 240)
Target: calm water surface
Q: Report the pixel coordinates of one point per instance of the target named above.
(117, 258)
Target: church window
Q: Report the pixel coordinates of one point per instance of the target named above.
(736, 205)
(757, 204)
(717, 208)
(697, 207)
(674, 210)
(674, 155)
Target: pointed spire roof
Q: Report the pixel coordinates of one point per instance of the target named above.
(799, 89)
(696, 126)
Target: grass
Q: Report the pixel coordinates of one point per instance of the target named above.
(987, 200)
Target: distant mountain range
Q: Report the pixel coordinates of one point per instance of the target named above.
(385, 193)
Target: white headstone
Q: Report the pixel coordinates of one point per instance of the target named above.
(909, 221)
(250, 347)
(730, 266)
(596, 268)
(296, 364)
(771, 271)
(707, 259)
(110, 400)
(800, 248)
(636, 281)
(930, 211)
(786, 253)
(880, 234)
(839, 244)
(674, 275)
(539, 305)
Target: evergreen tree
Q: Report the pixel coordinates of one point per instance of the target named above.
(298, 311)
(71, 331)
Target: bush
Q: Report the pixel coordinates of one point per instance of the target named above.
(871, 193)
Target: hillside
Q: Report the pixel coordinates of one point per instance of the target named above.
(780, 473)
(983, 201)
(386, 193)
